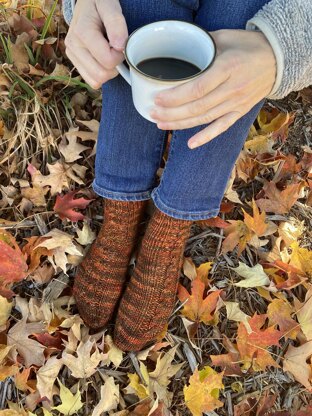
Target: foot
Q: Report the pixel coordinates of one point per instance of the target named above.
(101, 275)
(150, 296)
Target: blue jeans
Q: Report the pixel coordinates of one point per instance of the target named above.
(130, 148)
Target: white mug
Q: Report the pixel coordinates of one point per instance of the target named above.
(166, 39)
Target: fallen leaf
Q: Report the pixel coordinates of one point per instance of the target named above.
(196, 308)
(279, 312)
(71, 150)
(70, 403)
(254, 276)
(109, 397)
(29, 349)
(279, 202)
(256, 223)
(85, 236)
(46, 376)
(83, 364)
(202, 393)
(5, 310)
(301, 258)
(295, 361)
(64, 206)
(304, 315)
(236, 234)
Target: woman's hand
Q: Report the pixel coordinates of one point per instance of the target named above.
(94, 57)
(241, 76)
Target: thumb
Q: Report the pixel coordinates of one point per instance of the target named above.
(114, 23)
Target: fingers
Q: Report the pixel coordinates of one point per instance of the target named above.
(214, 129)
(194, 108)
(194, 90)
(114, 23)
(90, 70)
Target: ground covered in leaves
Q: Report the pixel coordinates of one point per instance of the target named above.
(239, 341)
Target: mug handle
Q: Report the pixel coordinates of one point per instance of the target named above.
(124, 72)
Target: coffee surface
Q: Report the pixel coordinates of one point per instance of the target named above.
(168, 68)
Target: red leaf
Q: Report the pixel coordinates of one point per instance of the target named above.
(13, 267)
(64, 206)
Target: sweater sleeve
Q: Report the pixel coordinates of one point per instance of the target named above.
(287, 24)
(68, 8)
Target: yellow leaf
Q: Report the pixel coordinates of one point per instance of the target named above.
(301, 258)
(140, 390)
(5, 310)
(304, 316)
(203, 391)
(70, 403)
(256, 223)
(203, 271)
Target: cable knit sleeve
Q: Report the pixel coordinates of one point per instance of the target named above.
(68, 7)
(287, 24)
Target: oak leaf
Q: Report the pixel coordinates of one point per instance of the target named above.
(29, 349)
(85, 236)
(202, 393)
(197, 308)
(64, 206)
(71, 150)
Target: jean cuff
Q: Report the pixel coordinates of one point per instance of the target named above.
(121, 196)
(182, 215)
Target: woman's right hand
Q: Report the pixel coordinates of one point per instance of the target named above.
(94, 57)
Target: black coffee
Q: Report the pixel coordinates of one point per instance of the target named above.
(168, 68)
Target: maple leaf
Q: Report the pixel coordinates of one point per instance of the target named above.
(70, 403)
(279, 312)
(236, 234)
(279, 202)
(254, 276)
(257, 223)
(229, 363)
(304, 315)
(109, 397)
(64, 206)
(46, 376)
(84, 364)
(252, 347)
(13, 267)
(202, 393)
(295, 361)
(29, 349)
(196, 308)
(295, 276)
(301, 258)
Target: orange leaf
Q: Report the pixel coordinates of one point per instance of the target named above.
(13, 267)
(257, 223)
(196, 308)
(279, 312)
(237, 234)
(252, 347)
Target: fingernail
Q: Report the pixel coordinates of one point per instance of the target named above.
(192, 145)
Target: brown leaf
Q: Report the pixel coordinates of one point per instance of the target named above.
(64, 206)
(279, 202)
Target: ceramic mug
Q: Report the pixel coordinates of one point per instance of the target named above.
(167, 39)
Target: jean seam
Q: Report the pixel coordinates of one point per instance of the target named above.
(171, 149)
(213, 210)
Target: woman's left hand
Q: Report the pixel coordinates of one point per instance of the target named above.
(242, 75)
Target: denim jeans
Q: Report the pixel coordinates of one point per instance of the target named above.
(130, 148)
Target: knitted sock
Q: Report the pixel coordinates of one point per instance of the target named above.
(150, 296)
(100, 277)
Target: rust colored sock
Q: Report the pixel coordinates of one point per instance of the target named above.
(101, 275)
(150, 295)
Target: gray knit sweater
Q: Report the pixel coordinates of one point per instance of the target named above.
(287, 24)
